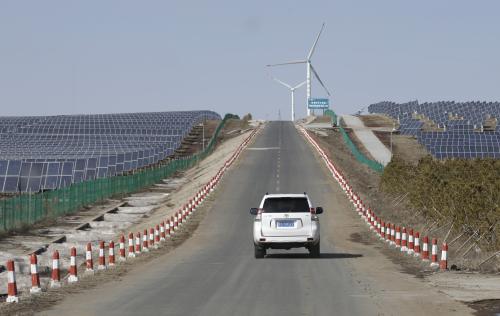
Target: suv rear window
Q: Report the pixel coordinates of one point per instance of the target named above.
(286, 205)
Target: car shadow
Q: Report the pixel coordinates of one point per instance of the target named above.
(337, 255)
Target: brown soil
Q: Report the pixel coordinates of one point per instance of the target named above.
(358, 143)
(377, 121)
(322, 119)
(485, 307)
(403, 146)
(193, 142)
(234, 125)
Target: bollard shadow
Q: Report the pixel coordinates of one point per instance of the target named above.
(337, 255)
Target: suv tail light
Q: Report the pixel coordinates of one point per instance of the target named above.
(312, 210)
(259, 214)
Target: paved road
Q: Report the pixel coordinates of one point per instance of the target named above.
(371, 142)
(215, 273)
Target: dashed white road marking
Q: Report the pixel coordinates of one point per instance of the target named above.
(263, 148)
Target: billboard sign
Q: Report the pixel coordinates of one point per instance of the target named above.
(317, 103)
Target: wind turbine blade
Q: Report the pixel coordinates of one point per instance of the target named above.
(300, 84)
(279, 81)
(288, 63)
(315, 42)
(317, 77)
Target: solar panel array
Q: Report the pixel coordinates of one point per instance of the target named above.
(50, 152)
(458, 130)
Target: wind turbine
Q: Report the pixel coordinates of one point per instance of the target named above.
(292, 90)
(309, 69)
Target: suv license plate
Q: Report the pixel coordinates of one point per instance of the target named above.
(286, 224)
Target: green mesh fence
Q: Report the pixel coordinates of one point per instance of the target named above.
(332, 116)
(374, 165)
(27, 209)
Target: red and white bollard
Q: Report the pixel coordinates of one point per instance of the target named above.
(167, 228)
(176, 222)
(417, 245)
(102, 257)
(434, 253)
(55, 281)
(151, 237)
(157, 236)
(138, 243)
(393, 235)
(425, 249)
(35, 277)
(388, 233)
(398, 236)
(145, 247)
(131, 252)
(382, 230)
(404, 247)
(11, 283)
(162, 231)
(191, 206)
(89, 260)
(122, 256)
(180, 218)
(112, 253)
(173, 225)
(73, 274)
(443, 265)
(411, 242)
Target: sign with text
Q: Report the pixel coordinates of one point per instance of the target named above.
(317, 103)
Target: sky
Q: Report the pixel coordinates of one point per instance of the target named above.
(78, 57)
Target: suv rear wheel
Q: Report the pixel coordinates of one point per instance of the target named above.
(314, 250)
(260, 252)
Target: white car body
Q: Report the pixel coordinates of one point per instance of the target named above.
(288, 229)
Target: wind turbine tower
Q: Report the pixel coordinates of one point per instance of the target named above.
(309, 69)
(292, 90)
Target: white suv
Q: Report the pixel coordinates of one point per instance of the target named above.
(285, 221)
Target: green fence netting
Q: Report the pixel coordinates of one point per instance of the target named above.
(332, 116)
(374, 165)
(27, 209)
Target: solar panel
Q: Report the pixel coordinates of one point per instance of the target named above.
(11, 184)
(83, 140)
(464, 129)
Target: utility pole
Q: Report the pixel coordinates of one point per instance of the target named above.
(203, 133)
(392, 131)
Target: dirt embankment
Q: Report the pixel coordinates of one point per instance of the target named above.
(377, 121)
(403, 146)
(478, 291)
(463, 252)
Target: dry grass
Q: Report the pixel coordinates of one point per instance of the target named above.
(322, 119)
(377, 121)
(395, 207)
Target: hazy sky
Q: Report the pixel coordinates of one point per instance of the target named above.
(65, 57)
